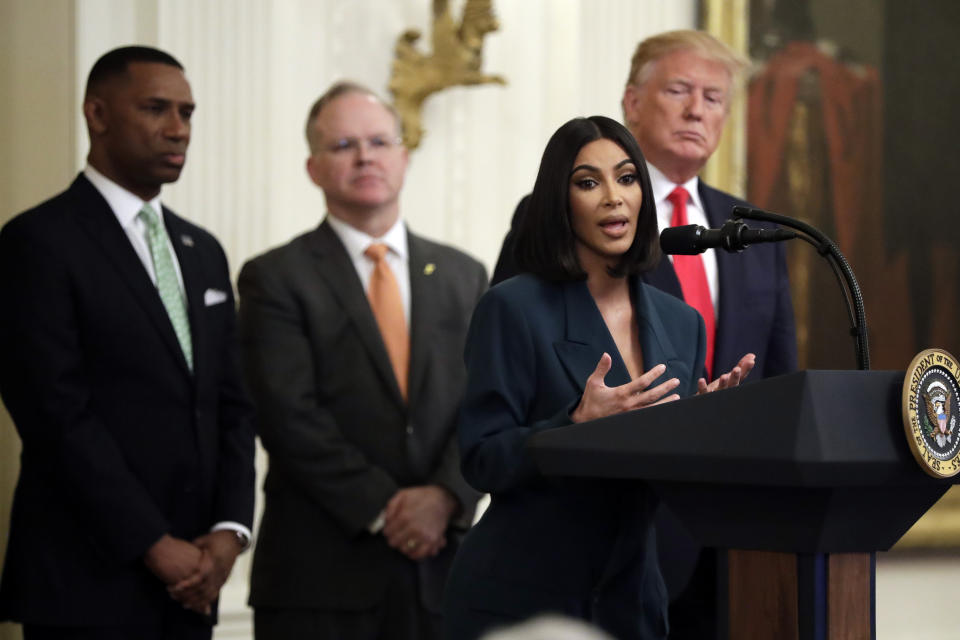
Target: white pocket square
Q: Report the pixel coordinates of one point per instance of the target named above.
(214, 296)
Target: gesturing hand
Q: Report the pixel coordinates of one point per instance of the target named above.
(599, 400)
(731, 378)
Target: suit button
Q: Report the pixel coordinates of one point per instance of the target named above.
(409, 429)
(188, 489)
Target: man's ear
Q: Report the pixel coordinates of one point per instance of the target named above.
(629, 102)
(95, 112)
(312, 169)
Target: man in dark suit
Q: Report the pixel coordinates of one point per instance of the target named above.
(119, 367)
(676, 102)
(364, 497)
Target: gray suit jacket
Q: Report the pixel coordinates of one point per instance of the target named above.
(330, 414)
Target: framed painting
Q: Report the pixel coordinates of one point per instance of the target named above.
(846, 121)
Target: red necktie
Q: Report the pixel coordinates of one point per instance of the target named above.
(693, 278)
(387, 305)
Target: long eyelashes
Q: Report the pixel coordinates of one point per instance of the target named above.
(586, 184)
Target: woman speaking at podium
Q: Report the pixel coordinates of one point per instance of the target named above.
(576, 337)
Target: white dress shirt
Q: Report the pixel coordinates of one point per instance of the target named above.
(696, 214)
(126, 207)
(356, 242)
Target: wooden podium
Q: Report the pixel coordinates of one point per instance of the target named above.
(803, 477)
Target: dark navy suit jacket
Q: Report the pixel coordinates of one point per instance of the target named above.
(583, 547)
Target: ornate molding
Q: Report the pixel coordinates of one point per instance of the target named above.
(457, 59)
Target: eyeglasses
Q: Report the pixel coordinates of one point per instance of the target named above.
(373, 143)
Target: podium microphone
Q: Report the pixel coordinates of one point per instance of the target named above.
(733, 236)
(692, 240)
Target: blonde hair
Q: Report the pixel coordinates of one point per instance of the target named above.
(663, 44)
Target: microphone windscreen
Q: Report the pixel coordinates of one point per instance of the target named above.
(681, 240)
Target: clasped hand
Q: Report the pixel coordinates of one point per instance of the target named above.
(194, 572)
(416, 519)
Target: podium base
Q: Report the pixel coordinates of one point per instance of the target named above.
(803, 596)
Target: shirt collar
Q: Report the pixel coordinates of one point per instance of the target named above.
(125, 205)
(356, 241)
(663, 186)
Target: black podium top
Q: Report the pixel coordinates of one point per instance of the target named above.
(814, 461)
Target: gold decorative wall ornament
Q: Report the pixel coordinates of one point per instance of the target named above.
(457, 59)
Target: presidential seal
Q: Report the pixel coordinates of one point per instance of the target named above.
(930, 412)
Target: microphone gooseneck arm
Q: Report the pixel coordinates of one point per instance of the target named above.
(841, 269)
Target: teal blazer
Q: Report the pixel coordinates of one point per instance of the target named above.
(581, 547)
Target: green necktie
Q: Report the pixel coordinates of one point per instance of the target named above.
(167, 284)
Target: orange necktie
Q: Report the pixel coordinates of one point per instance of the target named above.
(692, 276)
(387, 305)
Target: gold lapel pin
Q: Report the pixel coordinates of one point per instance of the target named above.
(429, 268)
(187, 240)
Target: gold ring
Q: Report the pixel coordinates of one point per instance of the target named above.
(411, 543)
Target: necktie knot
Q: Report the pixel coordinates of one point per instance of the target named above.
(376, 251)
(149, 216)
(678, 198)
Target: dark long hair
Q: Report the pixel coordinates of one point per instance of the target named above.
(545, 243)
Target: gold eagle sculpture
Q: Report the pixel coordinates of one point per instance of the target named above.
(456, 59)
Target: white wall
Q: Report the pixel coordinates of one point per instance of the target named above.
(256, 67)
(36, 110)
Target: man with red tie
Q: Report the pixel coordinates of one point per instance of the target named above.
(676, 102)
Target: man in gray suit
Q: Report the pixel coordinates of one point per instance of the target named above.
(364, 498)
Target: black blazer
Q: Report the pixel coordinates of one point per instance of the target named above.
(329, 412)
(121, 442)
(580, 547)
(755, 312)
